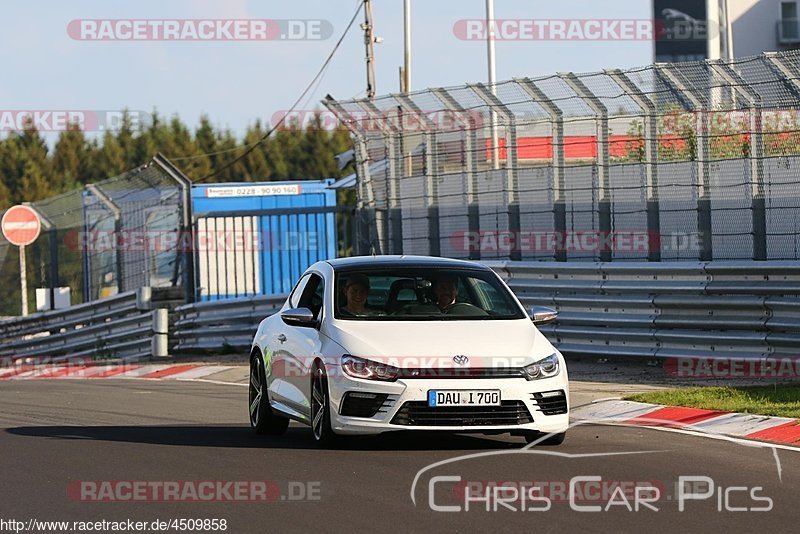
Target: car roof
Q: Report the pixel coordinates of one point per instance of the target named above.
(403, 261)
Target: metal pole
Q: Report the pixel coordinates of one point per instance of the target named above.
(511, 189)
(558, 165)
(490, 25)
(650, 113)
(407, 40)
(54, 283)
(755, 110)
(23, 280)
(699, 104)
(729, 30)
(713, 29)
(369, 41)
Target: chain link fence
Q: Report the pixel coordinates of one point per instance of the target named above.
(111, 237)
(692, 161)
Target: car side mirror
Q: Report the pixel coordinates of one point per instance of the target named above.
(541, 315)
(302, 317)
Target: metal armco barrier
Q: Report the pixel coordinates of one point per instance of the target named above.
(662, 310)
(222, 325)
(123, 326)
(643, 310)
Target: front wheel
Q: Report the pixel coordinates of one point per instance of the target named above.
(262, 419)
(552, 440)
(320, 408)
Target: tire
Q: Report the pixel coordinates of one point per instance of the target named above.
(320, 409)
(551, 441)
(262, 419)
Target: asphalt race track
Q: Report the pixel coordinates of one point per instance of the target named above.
(59, 435)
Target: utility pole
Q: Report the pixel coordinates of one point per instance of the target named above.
(490, 26)
(729, 30)
(406, 80)
(714, 29)
(369, 42)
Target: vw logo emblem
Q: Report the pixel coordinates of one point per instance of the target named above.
(461, 360)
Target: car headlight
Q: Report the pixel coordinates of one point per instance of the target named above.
(369, 370)
(546, 368)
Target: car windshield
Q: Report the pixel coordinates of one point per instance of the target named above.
(422, 294)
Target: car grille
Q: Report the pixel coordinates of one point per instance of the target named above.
(462, 372)
(418, 413)
(551, 402)
(359, 404)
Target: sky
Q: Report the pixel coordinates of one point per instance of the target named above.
(236, 82)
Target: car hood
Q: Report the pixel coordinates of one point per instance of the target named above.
(410, 344)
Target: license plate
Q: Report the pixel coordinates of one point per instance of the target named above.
(464, 397)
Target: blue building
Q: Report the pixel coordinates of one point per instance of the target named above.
(258, 238)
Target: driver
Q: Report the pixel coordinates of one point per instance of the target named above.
(356, 291)
(445, 288)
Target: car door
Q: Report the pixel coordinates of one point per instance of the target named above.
(301, 347)
(277, 352)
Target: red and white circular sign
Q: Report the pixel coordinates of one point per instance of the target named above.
(21, 226)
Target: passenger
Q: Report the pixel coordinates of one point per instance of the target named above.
(445, 288)
(356, 291)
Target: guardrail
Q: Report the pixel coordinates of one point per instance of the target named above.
(122, 326)
(645, 310)
(226, 325)
(661, 310)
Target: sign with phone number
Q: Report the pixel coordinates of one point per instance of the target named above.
(253, 191)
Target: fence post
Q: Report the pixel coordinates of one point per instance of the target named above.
(672, 78)
(393, 223)
(369, 207)
(755, 105)
(366, 194)
(109, 204)
(603, 157)
(160, 341)
(144, 298)
(431, 170)
(470, 172)
(511, 189)
(190, 281)
(651, 159)
(431, 188)
(777, 64)
(557, 133)
(52, 233)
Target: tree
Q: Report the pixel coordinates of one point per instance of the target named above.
(29, 171)
(74, 160)
(110, 158)
(33, 184)
(255, 165)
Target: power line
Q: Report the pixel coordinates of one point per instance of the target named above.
(308, 88)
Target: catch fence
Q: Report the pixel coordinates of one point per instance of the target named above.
(695, 161)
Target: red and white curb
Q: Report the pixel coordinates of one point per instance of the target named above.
(147, 371)
(711, 422)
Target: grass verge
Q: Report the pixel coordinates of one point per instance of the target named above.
(780, 401)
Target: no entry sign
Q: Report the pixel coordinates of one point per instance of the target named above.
(21, 226)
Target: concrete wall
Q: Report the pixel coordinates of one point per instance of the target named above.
(755, 26)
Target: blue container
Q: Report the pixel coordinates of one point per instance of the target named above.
(260, 237)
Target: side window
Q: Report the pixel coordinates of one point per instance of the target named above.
(494, 301)
(297, 292)
(313, 295)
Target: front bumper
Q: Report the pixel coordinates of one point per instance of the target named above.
(392, 416)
